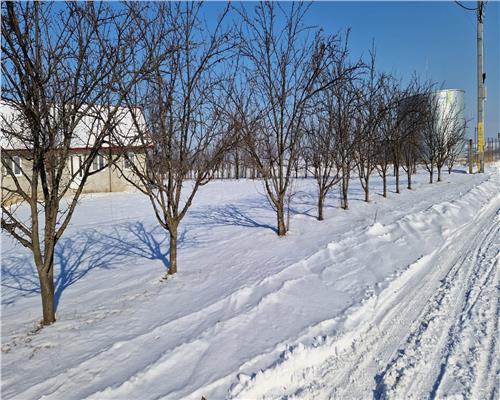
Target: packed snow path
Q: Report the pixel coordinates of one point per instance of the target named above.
(452, 348)
(396, 298)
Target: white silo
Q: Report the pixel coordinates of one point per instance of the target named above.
(450, 108)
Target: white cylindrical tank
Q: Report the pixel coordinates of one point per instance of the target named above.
(450, 107)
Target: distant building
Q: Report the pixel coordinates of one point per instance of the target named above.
(110, 178)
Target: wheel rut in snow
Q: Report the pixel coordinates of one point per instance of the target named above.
(456, 332)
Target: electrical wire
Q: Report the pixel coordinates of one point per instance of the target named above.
(465, 7)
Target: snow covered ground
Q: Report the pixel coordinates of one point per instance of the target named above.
(395, 298)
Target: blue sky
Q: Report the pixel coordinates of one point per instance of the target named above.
(434, 39)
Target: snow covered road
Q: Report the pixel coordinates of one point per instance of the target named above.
(452, 348)
(396, 298)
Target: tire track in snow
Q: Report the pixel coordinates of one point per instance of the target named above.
(471, 337)
(436, 337)
(389, 330)
(477, 336)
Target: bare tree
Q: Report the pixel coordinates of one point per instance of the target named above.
(409, 152)
(320, 151)
(282, 68)
(455, 144)
(368, 119)
(396, 149)
(394, 131)
(412, 111)
(450, 136)
(323, 140)
(60, 67)
(428, 149)
(342, 104)
(179, 111)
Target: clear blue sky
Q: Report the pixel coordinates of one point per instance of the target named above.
(435, 39)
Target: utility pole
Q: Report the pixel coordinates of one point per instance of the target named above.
(481, 77)
(470, 156)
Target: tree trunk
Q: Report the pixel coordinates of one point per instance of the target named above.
(367, 189)
(345, 189)
(408, 173)
(47, 292)
(237, 166)
(396, 170)
(384, 180)
(439, 173)
(172, 269)
(431, 175)
(280, 214)
(320, 206)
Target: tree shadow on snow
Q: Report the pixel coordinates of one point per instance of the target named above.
(332, 201)
(303, 199)
(133, 239)
(232, 215)
(73, 259)
(457, 171)
(76, 256)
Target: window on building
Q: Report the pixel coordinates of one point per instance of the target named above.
(98, 162)
(129, 160)
(76, 163)
(14, 166)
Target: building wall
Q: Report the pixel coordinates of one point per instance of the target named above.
(8, 182)
(110, 179)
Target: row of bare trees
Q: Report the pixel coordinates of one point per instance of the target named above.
(269, 91)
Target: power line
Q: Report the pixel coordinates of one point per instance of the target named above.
(465, 7)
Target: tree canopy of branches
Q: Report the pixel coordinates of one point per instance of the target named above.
(368, 120)
(60, 66)
(179, 109)
(283, 66)
(325, 138)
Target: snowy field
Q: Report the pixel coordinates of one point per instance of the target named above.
(397, 298)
